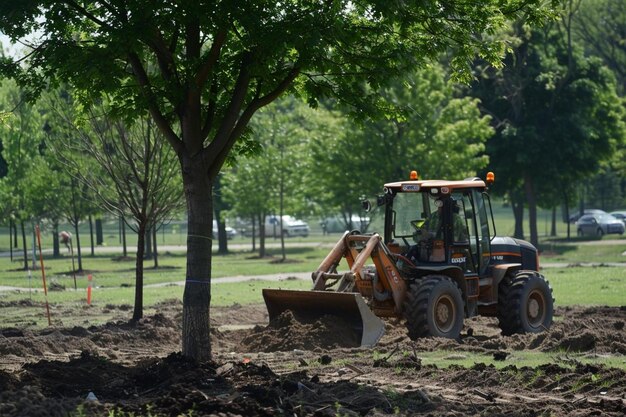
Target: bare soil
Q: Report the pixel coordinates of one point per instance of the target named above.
(313, 369)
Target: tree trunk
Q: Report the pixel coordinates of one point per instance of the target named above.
(261, 219)
(196, 339)
(25, 247)
(253, 234)
(56, 249)
(148, 244)
(91, 239)
(218, 204)
(15, 241)
(529, 190)
(517, 204)
(79, 256)
(11, 238)
(99, 232)
(566, 215)
(123, 237)
(141, 241)
(154, 247)
(553, 227)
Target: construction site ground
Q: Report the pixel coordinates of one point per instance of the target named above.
(294, 369)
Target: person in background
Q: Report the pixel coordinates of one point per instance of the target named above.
(66, 239)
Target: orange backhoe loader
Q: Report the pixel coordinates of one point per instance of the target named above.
(438, 262)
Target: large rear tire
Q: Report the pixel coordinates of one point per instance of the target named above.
(525, 303)
(434, 308)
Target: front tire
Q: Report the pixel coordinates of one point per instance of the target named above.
(434, 308)
(600, 232)
(525, 304)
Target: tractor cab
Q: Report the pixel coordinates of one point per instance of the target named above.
(434, 222)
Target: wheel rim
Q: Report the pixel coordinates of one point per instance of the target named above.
(536, 309)
(445, 312)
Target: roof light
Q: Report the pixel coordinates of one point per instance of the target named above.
(490, 178)
(414, 176)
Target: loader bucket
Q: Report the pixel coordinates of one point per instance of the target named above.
(309, 305)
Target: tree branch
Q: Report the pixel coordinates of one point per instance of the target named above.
(219, 158)
(81, 10)
(211, 58)
(159, 119)
(232, 112)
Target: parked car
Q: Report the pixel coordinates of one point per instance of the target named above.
(620, 215)
(337, 224)
(230, 232)
(598, 225)
(574, 217)
(291, 227)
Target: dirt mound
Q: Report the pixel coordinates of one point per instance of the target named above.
(284, 369)
(286, 332)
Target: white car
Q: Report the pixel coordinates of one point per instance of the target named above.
(291, 226)
(620, 215)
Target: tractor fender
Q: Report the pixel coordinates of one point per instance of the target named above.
(499, 271)
(453, 272)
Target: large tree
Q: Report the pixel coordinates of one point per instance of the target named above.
(203, 68)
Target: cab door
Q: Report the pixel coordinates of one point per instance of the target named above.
(476, 205)
(484, 237)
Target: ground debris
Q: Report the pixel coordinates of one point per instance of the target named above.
(134, 369)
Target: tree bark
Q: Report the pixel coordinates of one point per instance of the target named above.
(147, 244)
(25, 247)
(261, 219)
(154, 247)
(517, 204)
(529, 191)
(141, 241)
(123, 237)
(196, 341)
(218, 204)
(56, 249)
(99, 232)
(11, 238)
(78, 251)
(91, 238)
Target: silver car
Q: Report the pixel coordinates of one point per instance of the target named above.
(599, 225)
(620, 215)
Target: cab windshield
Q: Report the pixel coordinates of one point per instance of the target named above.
(410, 211)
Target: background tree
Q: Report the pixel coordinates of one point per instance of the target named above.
(433, 131)
(137, 164)
(202, 69)
(23, 139)
(557, 116)
(600, 25)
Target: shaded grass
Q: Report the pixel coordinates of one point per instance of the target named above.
(519, 358)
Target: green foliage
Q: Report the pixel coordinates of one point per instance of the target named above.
(433, 131)
(548, 97)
